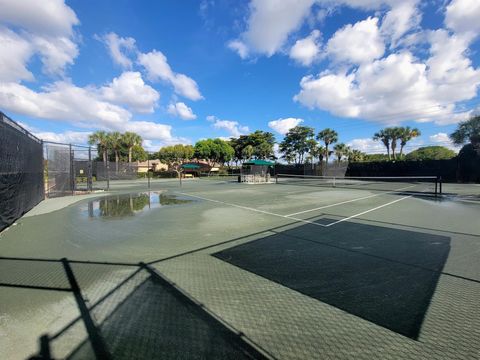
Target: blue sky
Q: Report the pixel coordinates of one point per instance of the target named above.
(179, 71)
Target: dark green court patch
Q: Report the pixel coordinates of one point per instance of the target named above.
(384, 275)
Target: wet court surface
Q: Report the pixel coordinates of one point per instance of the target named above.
(217, 269)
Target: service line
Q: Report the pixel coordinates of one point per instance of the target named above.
(349, 201)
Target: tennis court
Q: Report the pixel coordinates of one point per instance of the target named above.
(301, 268)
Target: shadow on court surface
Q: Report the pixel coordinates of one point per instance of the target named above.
(144, 316)
(383, 275)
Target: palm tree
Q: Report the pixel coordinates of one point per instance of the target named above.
(328, 136)
(384, 137)
(356, 155)
(115, 142)
(395, 133)
(406, 135)
(130, 139)
(100, 138)
(340, 150)
(247, 152)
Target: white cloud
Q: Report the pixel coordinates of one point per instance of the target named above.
(442, 139)
(150, 130)
(182, 111)
(462, 16)
(306, 50)
(129, 89)
(46, 17)
(400, 86)
(14, 56)
(44, 28)
(269, 24)
(66, 137)
(367, 145)
(402, 18)
(118, 47)
(157, 67)
(232, 127)
(239, 47)
(62, 101)
(358, 43)
(283, 125)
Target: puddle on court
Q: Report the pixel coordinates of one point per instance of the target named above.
(127, 205)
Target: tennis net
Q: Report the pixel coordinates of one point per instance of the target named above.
(403, 184)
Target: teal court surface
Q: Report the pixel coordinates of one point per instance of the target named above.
(218, 269)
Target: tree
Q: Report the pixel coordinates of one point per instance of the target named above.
(262, 143)
(214, 151)
(115, 142)
(340, 150)
(100, 138)
(468, 131)
(296, 142)
(130, 139)
(395, 133)
(247, 152)
(385, 137)
(139, 153)
(328, 136)
(175, 156)
(376, 157)
(356, 156)
(407, 134)
(431, 153)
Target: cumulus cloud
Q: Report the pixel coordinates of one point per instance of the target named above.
(157, 68)
(306, 50)
(129, 89)
(400, 86)
(181, 110)
(402, 18)
(81, 107)
(16, 51)
(62, 101)
(31, 27)
(442, 139)
(367, 145)
(232, 127)
(49, 17)
(462, 16)
(269, 24)
(358, 43)
(66, 137)
(283, 125)
(118, 48)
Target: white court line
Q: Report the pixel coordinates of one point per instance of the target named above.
(349, 201)
(293, 218)
(367, 211)
(251, 209)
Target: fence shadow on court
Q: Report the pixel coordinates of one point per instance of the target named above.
(384, 275)
(144, 316)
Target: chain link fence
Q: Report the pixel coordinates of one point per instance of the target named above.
(21, 171)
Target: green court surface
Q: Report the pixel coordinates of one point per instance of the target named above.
(218, 269)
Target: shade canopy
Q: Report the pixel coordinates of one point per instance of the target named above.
(191, 166)
(259, 162)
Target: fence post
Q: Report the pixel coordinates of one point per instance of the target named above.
(107, 170)
(148, 172)
(72, 170)
(89, 171)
